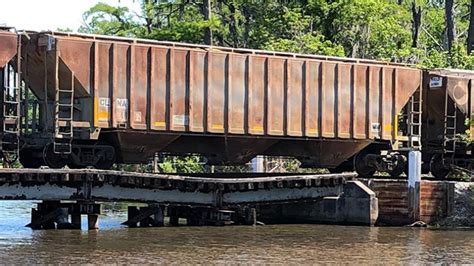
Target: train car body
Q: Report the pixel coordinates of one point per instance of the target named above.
(448, 120)
(98, 100)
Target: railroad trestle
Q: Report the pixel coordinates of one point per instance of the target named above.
(200, 200)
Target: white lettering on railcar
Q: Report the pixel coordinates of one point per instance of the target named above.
(138, 116)
(104, 102)
(436, 82)
(180, 120)
(375, 127)
(122, 103)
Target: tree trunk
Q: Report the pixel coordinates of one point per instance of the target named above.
(232, 25)
(399, 42)
(247, 16)
(450, 26)
(148, 20)
(206, 10)
(416, 23)
(470, 36)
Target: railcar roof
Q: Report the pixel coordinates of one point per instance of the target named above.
(447, 72)
(59, 34)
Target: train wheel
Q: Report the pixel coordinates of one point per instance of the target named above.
(28, 161)
(361, 166)
(401, 165)
(52, 159)
(437, 167)
(106, 157)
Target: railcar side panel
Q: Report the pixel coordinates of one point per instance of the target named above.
(159, 89)
(344, 101)
(276, 96)
(256, 95)
(197, 90)
(179, 114)
(375, 89)
(328, 96)
(216, 92)
(295, 98)
(139, 87)
(387, 113)
(237, 93)
(120, 103)
(102, 84)
(361, 102)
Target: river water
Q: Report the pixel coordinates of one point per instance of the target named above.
(278, 244)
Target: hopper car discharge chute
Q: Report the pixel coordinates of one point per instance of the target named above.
(104, 100)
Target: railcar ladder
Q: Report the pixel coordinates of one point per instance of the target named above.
(450, 121)
(414, 121)
(11, 110)
(63, 119)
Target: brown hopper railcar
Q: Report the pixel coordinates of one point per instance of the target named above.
(99, 100)
(448, 121)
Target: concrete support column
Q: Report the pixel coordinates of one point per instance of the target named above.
(258, 164)
(357, 204)
(251, 216)
(414, 183)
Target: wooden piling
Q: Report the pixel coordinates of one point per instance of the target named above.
(93, 221)
(76, 221)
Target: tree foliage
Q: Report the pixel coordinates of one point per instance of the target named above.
(373, 29)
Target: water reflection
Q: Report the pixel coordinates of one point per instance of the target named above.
(266, 244)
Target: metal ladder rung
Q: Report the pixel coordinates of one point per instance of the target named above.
(9, 121)
(65, 119)
(64, 105)
(63, 136)
(9, 88)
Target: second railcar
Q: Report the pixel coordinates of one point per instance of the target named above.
(448, 121)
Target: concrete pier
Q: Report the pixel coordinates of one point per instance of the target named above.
(357, 205)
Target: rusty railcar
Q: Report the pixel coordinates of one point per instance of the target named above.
(104, 99)
(448, 120)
